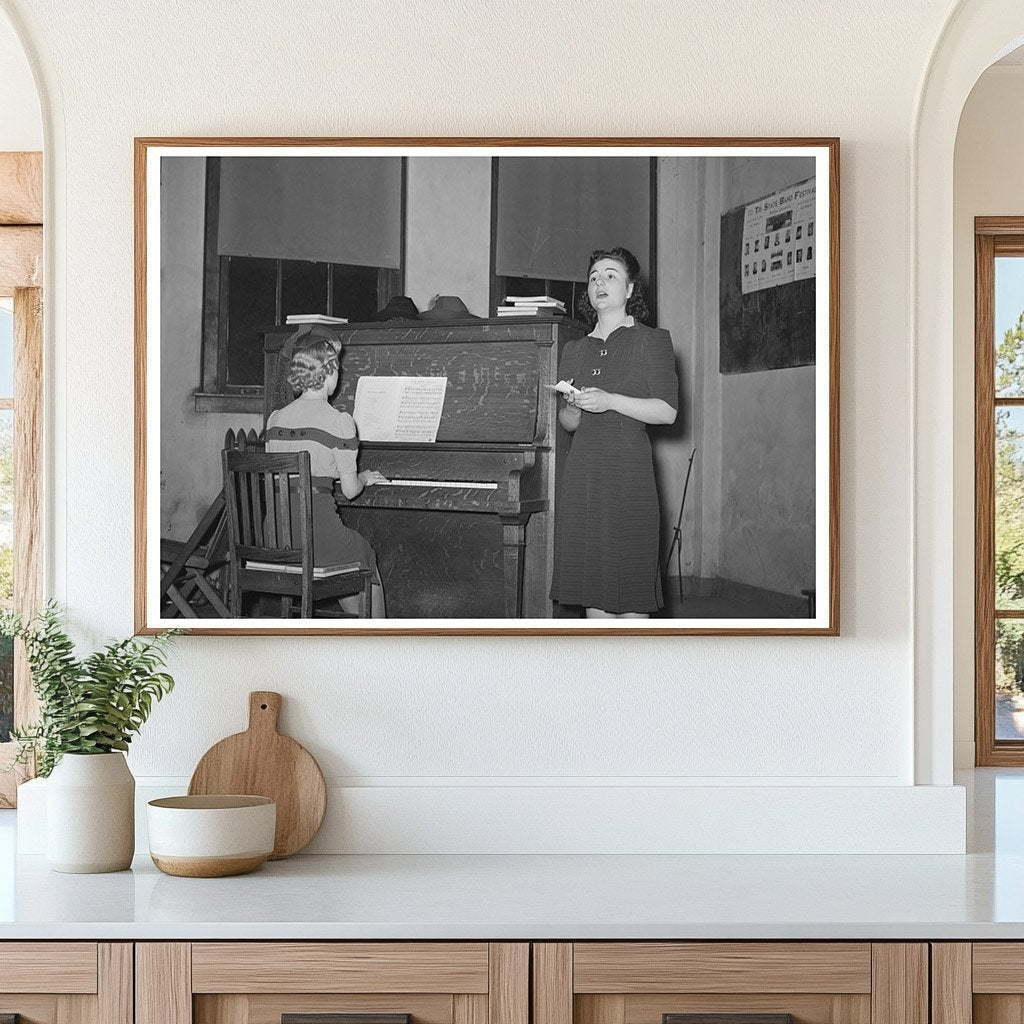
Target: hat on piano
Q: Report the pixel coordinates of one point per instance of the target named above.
(399, 307)
(447, 307)
(308, 334)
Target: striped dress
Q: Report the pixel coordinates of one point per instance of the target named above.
(607, 518)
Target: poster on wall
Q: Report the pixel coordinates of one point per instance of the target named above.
(360, 413)
(778, 238)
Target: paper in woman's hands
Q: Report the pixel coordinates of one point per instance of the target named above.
(564, 387)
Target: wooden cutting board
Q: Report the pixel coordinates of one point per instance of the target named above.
(262, 762)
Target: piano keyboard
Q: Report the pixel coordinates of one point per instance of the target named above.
(477, 485)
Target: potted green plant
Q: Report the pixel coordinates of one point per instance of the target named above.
(89, 710)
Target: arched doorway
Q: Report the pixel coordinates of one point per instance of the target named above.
(977, 33)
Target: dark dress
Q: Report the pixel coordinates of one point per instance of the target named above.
(607, 523)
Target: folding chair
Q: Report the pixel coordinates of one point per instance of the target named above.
(199, 564)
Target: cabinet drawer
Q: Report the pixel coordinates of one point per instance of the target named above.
(633, 967)
(65, 967)
(730, 983)
(332, 983)
(66, 982)
(340, 967)
(980, 982)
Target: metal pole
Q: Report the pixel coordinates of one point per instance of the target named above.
(677, 535)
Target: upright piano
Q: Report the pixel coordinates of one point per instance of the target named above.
(465, 528)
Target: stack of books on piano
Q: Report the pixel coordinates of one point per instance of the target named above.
(531, 305)
(313, 318)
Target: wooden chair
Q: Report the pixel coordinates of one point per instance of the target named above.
(261, 491)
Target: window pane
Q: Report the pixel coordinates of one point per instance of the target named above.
(303, 287)
(1009, 526)
(6, 353)
(1009, 322)
(1009, 679)
(252, 303)
(6, 567)
(355, 293)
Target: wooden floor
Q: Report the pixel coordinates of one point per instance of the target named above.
(732, 604)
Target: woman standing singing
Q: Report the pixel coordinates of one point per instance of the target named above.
(607, 523)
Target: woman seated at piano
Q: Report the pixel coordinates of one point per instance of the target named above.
(313, 373)
(607, 517)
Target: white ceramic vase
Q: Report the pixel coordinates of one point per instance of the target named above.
(90, 814)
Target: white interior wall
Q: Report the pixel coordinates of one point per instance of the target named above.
(21, 126)
(987, 182)
(380, 714)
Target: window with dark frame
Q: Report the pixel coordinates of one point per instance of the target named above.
(255, 274)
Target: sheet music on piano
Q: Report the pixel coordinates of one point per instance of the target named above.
(399, 408)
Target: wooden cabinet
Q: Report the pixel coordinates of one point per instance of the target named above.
(814, 982)
(66, 982)
(494, 983)
(979, 982)
(260, 982)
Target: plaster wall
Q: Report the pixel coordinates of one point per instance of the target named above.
(443, 714)
(749, 515)
(448, 231)
(21, 126)
(767, 486)
(189, 479)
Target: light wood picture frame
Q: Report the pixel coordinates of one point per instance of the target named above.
(723, 521)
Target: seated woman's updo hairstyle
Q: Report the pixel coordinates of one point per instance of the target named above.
(636, 304)
(315, 356)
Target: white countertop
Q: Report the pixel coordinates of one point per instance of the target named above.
(516, 897)
(976, 896)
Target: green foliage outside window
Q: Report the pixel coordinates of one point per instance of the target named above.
(1009, 511)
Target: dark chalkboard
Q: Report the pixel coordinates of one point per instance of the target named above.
(762, 330)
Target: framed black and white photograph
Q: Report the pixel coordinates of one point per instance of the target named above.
(537, 386)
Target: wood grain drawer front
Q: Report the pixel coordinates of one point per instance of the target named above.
(721, 967)
(62, 991)
(997, 982)
(305, 967)
(998, 967)
(57, 967)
